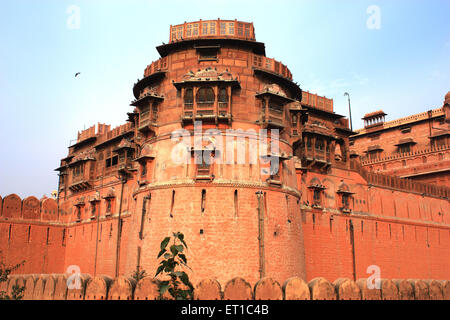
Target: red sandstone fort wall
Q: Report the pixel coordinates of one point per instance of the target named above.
(392, 229)
(54, 287)
(28, 231)
(390, 223)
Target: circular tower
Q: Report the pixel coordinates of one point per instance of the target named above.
(215, 124)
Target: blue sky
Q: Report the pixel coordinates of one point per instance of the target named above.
(403, 67)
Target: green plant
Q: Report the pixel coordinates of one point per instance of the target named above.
(179, 285)
(17, 291)
(138, 274)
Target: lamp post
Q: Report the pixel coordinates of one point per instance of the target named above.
(349, 110)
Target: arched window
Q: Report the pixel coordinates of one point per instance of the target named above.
(319, 144)
(317, 197)
(189, 97)
(205, 95)
(223, 95)
(338, 152)
(345, 201)
(294, 119)
(223, 101)
(308, 143)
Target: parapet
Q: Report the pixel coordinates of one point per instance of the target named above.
(295, 288)
(30, 208)
(102, 134)
(212, 29)
(317, 102)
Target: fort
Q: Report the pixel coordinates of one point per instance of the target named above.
(327, 211)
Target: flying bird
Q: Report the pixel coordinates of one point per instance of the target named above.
(77, 74)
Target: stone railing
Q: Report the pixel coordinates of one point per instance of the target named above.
(318, 102)
(394, 182)
(86, 134)
(156, 66)
(212, 28)
(113, 133)
(409, 119)
(413, 118)
(271, 65)
(401, 156)
(55, 287)
(91, 132)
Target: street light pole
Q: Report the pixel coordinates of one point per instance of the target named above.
(349, 110)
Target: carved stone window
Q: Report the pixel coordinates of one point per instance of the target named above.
(203, 159)
(375, 154)
(93, 209)
(203, 166)
(144, 114)
(405, 148)
(143, 169)
(240, 29)
(195, 30)
(320, 144)
(346, 201)
(223, 95)
(189, 97)
(223, 100)
(189, 30)
(109, 205)
(317, 197)
(294, 119)
(78, 170)
(111, 162)
(274, 106)
(345, 197)
(231, 27)
(212, 28)
(316, 189)
(205, 95)
(308, 144)
(78, 213)
(223, 28)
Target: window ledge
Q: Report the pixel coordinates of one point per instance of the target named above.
(274, 182)
(204, 177)
(208, 59)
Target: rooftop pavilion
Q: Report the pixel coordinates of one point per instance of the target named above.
(213, 29)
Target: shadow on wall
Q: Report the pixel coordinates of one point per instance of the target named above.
(54, 287)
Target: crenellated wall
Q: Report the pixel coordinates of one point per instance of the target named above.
(30, 231)
(54, 287)
(387, 227)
